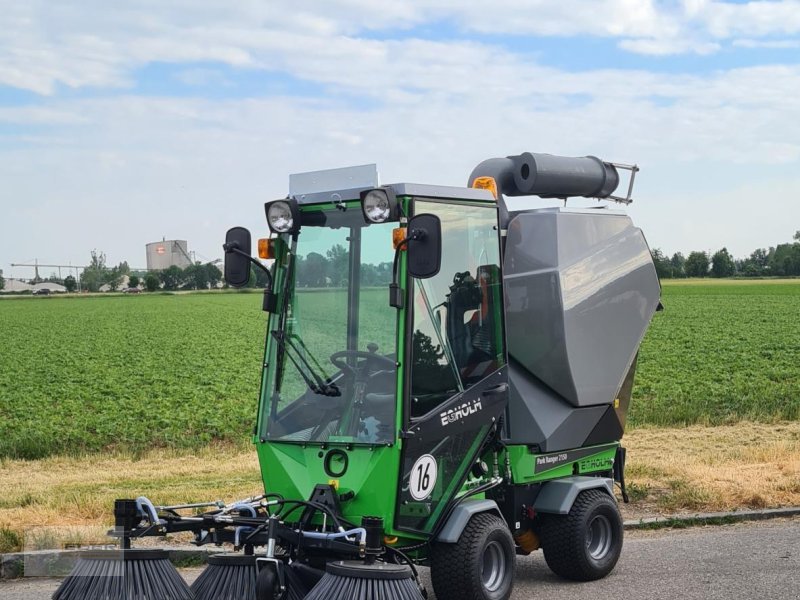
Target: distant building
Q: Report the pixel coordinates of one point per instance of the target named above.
(49, 285)
(123, 284)
(15, 285)
(162, 255)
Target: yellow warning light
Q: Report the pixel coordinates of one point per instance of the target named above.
(389, 539)
(616, 402)
(334, 483)
(398, 235)
(266, 248)
(486, 183)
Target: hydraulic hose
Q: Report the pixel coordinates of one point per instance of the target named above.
(145, 506)
(339, 534)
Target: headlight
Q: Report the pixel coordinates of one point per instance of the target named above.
(283, 216)
(378, 205)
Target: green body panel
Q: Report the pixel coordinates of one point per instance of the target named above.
(293, 470)
(592, 459)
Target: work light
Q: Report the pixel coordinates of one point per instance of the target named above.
(378, 205)
(283, 216)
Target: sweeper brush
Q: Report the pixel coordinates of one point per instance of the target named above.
(358, 581)
(123, 575)
(470, 412)
(227, 577)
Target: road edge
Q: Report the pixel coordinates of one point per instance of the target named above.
(683, 521)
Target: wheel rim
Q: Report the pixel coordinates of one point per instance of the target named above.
(494, 567)
(599, 537)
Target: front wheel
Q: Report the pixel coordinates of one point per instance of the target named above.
(267, 584)
(585, 544)
(480, 566)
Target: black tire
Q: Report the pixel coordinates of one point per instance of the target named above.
(267, 583)
(480, 566)
(585, 544)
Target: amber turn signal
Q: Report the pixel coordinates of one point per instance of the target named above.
(266, 248)
(398, 235)
(486, 183)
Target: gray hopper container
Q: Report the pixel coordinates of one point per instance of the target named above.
(581, 289)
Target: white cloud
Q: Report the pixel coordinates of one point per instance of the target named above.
(667, 47)
(154, 167)
(773, 44)
(96, 44)
(725, 19)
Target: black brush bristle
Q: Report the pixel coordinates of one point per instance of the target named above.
(358, 581)
(227, 577)
(124, 575)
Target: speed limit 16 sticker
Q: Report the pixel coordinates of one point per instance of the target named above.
(423, 477)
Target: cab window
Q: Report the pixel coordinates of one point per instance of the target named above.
(457, 314)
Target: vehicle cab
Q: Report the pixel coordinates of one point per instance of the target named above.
(385, 333)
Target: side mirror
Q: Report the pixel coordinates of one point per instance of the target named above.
(424, 250)
(237, 257)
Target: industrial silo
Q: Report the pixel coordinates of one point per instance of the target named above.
(162, 255)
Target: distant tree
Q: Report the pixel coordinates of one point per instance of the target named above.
(151, 282)
(134, 281)
(784, 260)
(338, 265)
(113, 279)
(2, 282)
(213, 274)
(96, 274)
(662, 264)
(316, 270)
(678, 263)
(70, 283)
(196, 277)
(797, 235)
(172, 277)
(722, 264)
(756, 265)
(696, 264)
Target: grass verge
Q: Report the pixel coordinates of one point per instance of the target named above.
(671, 471)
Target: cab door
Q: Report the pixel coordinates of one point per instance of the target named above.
(456, 380)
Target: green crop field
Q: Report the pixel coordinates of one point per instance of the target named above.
(85, 374)
(722, 351)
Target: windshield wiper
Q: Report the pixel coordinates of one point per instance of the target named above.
(317, 384)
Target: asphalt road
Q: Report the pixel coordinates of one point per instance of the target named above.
(755, 560)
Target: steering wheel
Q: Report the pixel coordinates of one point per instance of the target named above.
(337, 359)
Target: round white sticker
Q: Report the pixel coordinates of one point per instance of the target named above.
(423, 477)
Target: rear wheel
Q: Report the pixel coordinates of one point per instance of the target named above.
(480, 566)
(586, 543)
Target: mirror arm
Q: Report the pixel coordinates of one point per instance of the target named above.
(395, 293)
(270, 302)
(234, 249)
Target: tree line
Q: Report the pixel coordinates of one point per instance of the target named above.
(332, 270)
(782, 260)
(193, 277)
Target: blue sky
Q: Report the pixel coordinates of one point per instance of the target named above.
(123, 124)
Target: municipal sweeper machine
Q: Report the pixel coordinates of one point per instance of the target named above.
(445, 381)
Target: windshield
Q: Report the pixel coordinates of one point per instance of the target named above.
(333, 348)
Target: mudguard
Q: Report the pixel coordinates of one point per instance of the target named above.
(557, 496)
(461, 515)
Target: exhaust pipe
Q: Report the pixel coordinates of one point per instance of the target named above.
(550, 176)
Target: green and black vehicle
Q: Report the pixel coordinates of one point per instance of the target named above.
(446, 376)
